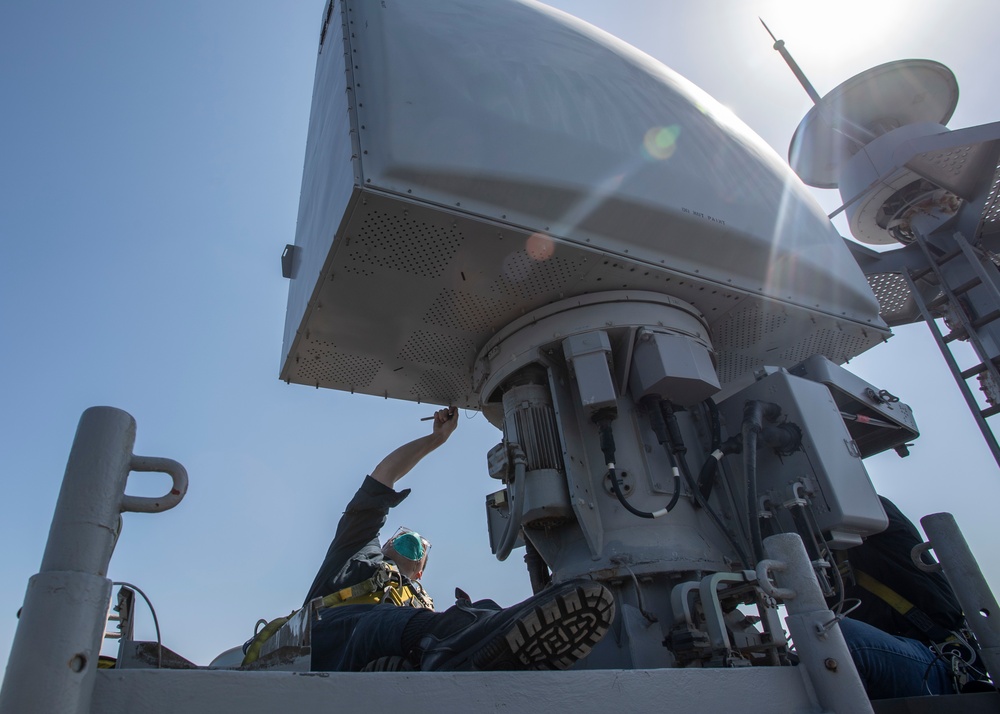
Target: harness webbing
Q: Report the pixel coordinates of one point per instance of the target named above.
(386, 585)
(913, 614)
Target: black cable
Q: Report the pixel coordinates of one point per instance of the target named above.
(616, 487)
(608, 449)
(710, 469)
(659, 426)
(715, 423)
(538, 570)
(734, 541)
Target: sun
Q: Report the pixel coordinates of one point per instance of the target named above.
(845, 31)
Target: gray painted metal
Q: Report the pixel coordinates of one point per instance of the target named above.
(974, 595)
(845, 502)
(53, 660)
(879, 424)
(451, 186)
(864, 107)
(820, 644)
(757, 690)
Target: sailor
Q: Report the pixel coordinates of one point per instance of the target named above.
(373, 614)
(907, 636)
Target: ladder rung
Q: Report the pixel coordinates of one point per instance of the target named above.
(973, 371)
(987, 413)
(938, 261)
(937, 302)
(941, 260)
(987, 318)
(967, 285)
(958, 334)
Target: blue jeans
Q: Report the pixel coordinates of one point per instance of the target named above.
(346, 638)
(893, 666)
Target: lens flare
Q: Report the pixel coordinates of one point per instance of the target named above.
(660, 142)
(539, 247)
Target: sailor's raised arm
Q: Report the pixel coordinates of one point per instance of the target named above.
(399, 463)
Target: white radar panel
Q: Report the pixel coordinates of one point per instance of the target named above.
(469, 161)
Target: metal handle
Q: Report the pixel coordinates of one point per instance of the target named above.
(764, 581)
(157, 464)
(915, 554)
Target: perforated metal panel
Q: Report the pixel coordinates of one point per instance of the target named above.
(950, 162)
(990, 221)
(437, 348)
(468, 311)
(748, 326)
(758, 334)
(397, 243)
(330, 365)
(412, 293)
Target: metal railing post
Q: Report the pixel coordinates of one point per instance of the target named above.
(974, 595)
(818, 640)
(54, 656)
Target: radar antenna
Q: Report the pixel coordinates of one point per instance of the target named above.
(857, 135)
(779, 45)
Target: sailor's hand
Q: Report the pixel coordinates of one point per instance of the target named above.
(445, 422)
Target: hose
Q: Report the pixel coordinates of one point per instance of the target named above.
(516, 486)
(754, 413)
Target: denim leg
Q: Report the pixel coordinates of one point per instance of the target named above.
(893, 666)
(347, 638)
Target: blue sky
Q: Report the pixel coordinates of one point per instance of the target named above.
(150, 164)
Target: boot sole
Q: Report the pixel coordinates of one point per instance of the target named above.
(553, 634)
(389, 663)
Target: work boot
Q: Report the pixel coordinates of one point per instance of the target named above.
(550, 630)
(389, 663)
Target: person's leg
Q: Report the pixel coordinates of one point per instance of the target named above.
(345, 639)
(894, 666)
(551, 630)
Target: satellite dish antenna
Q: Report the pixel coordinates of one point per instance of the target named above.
(848, 139)
(866, 106)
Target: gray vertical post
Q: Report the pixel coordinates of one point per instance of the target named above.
(53, 660)
(818, 640)
(974, 594)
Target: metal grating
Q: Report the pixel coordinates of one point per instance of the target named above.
(990, 220)
(437, 349)
(396, 242)
(893, 294)
(329, 366)
(470, 312)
